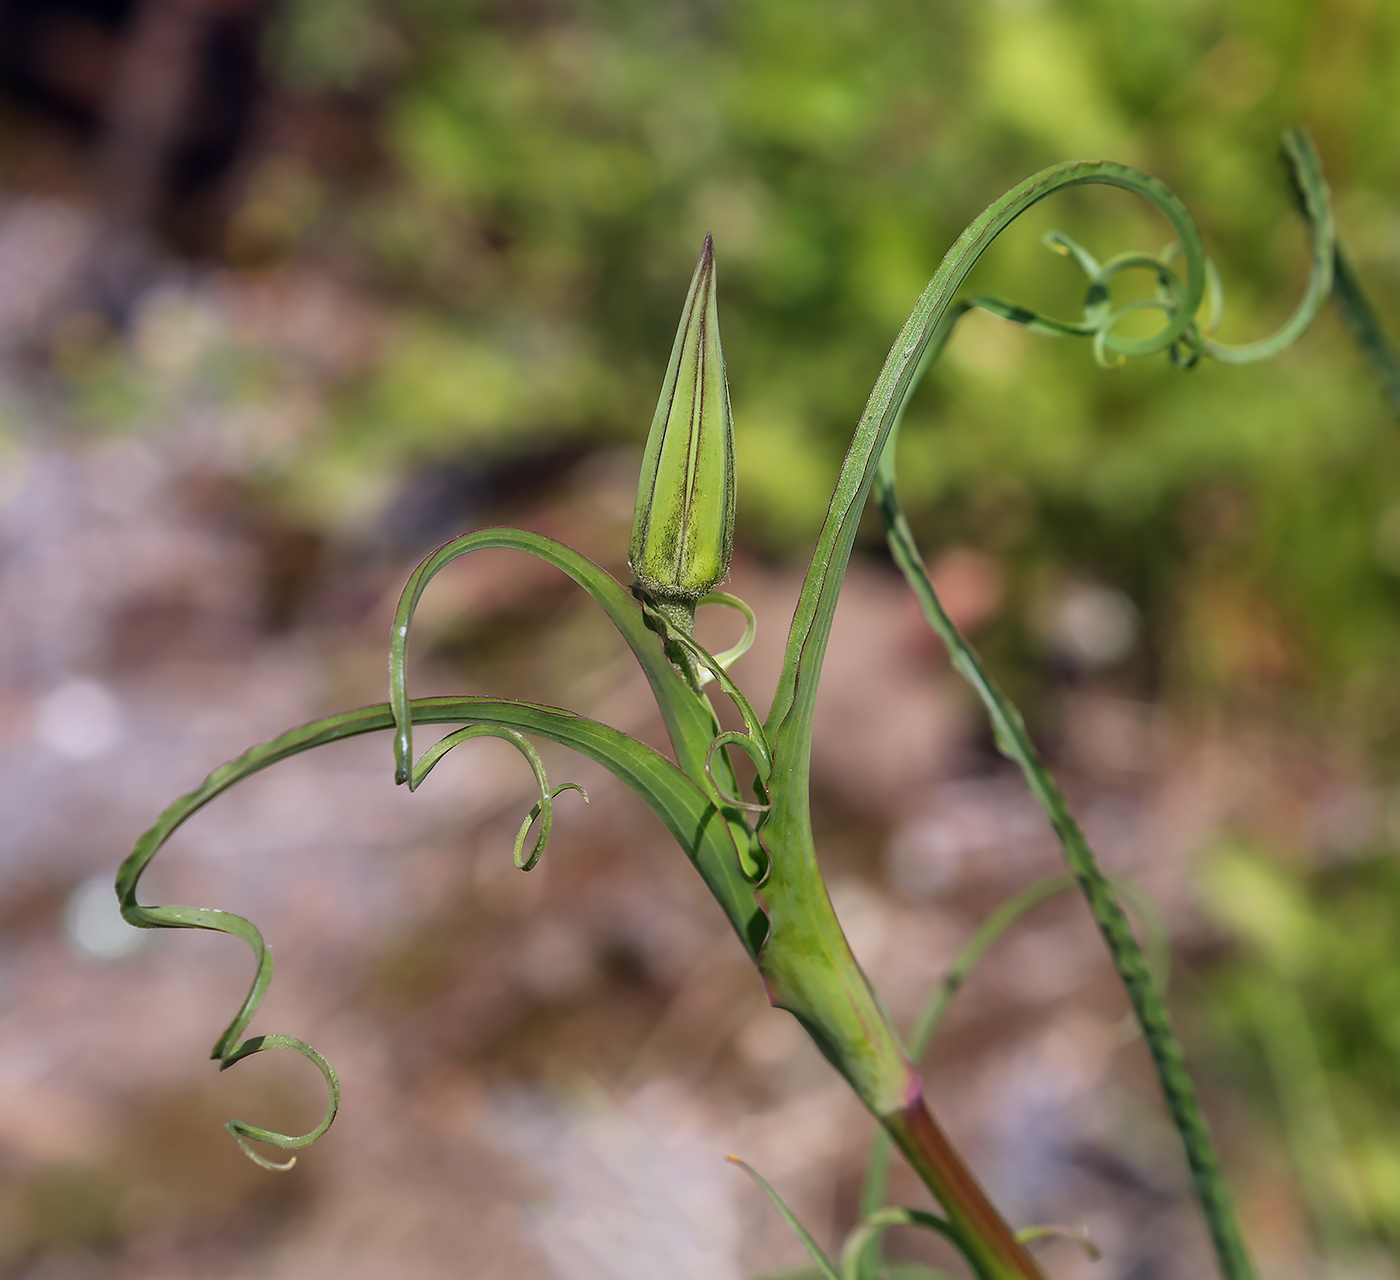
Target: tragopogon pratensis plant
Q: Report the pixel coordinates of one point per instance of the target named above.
(757, 855)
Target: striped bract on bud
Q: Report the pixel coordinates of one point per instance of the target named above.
(683, 529)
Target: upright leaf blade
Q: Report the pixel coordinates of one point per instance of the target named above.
(791, 714)
(807, 962)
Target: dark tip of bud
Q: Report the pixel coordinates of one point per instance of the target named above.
(708, 252)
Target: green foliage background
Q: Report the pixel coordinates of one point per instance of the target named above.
(534, 185)
(543, 175)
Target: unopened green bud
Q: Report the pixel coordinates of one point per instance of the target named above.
(683, 529)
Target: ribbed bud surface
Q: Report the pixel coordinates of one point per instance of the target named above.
(683, 529)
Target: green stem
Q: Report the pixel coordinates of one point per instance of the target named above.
(1366, 328)
(876, 1186)
(1207, 1179)
(985, 1239)
(679, 613)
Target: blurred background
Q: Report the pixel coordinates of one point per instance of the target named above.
(292, 290)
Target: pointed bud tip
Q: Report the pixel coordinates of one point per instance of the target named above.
(683, 527)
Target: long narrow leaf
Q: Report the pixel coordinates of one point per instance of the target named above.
(1013, 740)
(1316, 204)
(824, 1267)
(688, 814)
(924, 335)
(807, 963)
(790, 717)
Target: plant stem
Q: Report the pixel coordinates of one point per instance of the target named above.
(1365, 326)
(1014, 742)
(873, 1192)
(680, 613)
(991, 1245)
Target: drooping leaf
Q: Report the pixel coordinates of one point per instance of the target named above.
(682, 806)
(690, 720)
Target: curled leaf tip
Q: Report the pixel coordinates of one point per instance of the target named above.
(542, 809)
(728, 657)
(284, 1166)
(242, 1132)
(1077, 1235)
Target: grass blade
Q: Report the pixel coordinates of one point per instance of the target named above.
(1365, 326)
(823, 1267)
(1206, 1176)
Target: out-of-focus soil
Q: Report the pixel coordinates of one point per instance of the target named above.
(542, 1073)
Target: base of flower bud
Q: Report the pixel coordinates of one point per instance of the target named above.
(677, 613)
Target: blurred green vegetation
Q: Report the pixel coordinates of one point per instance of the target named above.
(537, 179)
(541, 177)
(1310, 1004)
(526, 185)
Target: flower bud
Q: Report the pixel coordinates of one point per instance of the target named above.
(683, 529)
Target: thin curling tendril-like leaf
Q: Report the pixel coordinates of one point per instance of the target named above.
(689, 815)
(726, 658)
(1045, 325)
(749, 746)
(1065, 245)
(1100, 317)
(824, 1265)
(243, 1132)
(1215, 291)
(868, 1232)
(753, 858)
(229, 1049)
(752, 740)
(1048, 1231)
(543, 809)
(1315, 200)
(544, 806)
